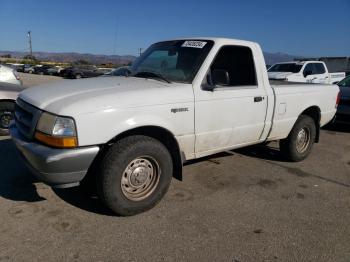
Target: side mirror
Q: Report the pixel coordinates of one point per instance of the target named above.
(220, 77)
(307, 73)
(209, 85)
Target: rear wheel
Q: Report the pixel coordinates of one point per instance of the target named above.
(77, 76)
(6, 116)
(297, 146)
(134, 175)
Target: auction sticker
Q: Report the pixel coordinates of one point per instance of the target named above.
(194, 44)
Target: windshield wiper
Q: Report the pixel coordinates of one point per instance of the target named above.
(151, 74)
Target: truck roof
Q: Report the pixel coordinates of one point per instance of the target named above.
(220, 40)
(300, 62)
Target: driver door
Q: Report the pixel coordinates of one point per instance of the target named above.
(233, 111)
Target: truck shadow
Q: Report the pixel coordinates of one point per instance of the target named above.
(83, 198)
(16, 182)
(337, 127)
(265, 152)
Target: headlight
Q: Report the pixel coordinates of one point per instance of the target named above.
(56, 131)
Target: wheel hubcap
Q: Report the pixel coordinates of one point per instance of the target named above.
(5, 119)
(303, 140)
(140, 178)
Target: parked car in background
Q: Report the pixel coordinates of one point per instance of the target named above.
(304, 72)
(54, 71)
(105, 70)
(18, 67)
(42, 70)
(31, 69)
(63, 71)
(9, 75)
(82, 71)
(8, 96)
(120, 71)
(343, 111)
(28, 67)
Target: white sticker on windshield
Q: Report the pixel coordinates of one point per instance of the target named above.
(194, 44)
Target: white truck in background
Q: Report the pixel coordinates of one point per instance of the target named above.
(9, 75)
(304, 72)
(183, 99)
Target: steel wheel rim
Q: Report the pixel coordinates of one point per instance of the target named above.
(140, 178)
(303, 140)
(5, 119)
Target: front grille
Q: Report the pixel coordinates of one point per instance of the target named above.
(26, 118)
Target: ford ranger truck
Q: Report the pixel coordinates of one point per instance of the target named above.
(304, 72)
(183, 99)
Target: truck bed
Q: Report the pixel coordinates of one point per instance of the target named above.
(282, 82)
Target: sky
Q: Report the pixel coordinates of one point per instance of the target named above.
(296, 27)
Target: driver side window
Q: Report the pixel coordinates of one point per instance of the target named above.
(233, 66)
(309, 70)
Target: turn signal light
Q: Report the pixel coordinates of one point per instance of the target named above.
(59, 142)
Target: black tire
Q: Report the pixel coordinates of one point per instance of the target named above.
(77, 76)
(295, 148)
(6, 114)
(113, 169)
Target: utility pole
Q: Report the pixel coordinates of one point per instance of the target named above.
(30, 43)
(140, 51)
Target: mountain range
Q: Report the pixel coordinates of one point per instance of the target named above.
(270, 58)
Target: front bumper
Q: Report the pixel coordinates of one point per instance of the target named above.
(55, 167)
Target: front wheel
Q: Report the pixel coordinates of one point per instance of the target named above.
(134, 175)
(297, 146)
(6, 116)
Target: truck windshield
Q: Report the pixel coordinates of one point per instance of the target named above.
(288, 67)
(172, 61)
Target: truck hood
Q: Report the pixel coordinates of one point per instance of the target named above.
(90, 95)
(279, 75)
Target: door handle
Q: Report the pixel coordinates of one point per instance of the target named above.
(258, 99)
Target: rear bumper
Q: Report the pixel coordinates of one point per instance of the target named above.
(55, 167)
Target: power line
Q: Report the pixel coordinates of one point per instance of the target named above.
(30, 43)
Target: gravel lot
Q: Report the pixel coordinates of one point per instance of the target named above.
(244, 205)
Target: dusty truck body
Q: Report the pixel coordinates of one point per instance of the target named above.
(184, 99)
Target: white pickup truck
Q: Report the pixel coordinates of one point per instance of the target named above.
(183, 99)
(304, 72)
